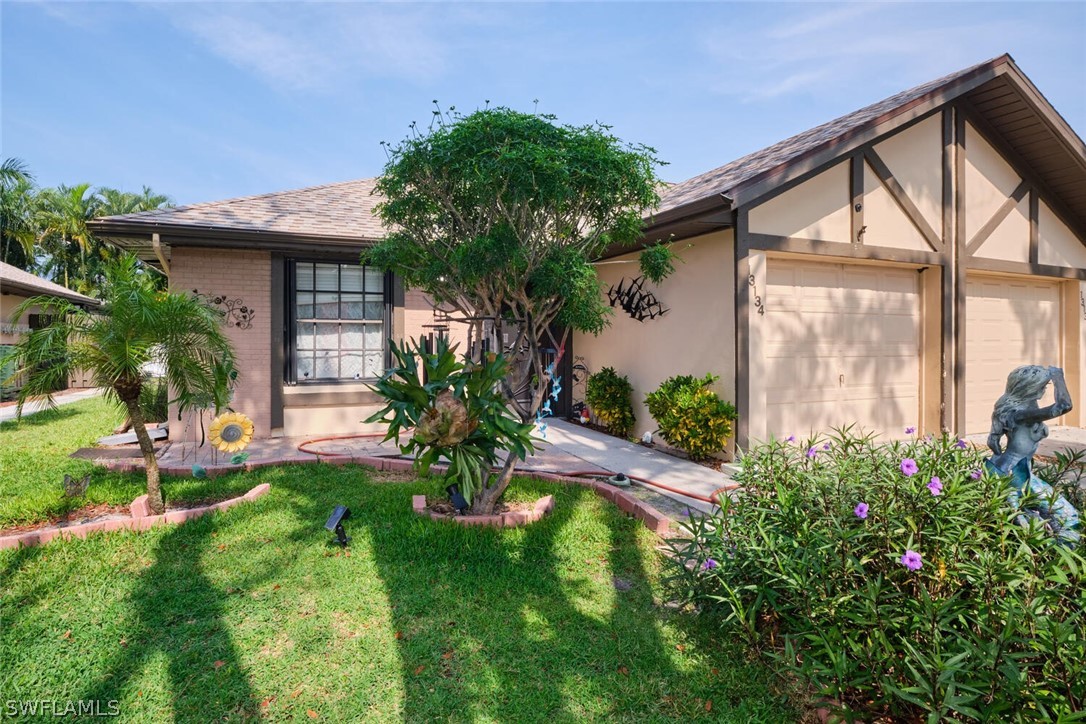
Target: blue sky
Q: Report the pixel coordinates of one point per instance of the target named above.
(206, 101)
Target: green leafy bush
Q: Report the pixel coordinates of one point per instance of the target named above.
(609, 395)
(456, 409)
(692, 417)
(893, 580)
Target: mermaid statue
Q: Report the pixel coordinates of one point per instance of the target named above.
(1018, 418)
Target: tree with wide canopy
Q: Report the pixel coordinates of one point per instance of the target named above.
(499, 215)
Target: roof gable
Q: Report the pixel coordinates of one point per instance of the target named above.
(14, 280)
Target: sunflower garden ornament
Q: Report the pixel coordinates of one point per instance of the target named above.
(230, 432)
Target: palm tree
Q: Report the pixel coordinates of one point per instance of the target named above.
(18, 213)
(135, 325)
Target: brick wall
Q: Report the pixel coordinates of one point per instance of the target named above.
(244, 275)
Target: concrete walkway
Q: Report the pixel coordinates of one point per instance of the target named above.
(568, 447)
(61, 398)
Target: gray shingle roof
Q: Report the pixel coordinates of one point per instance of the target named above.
(14, 280)
(344, 209)
(726, 179)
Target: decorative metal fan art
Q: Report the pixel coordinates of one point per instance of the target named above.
(636, 302)
(231, 432)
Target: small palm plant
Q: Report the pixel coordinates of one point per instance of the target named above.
(136, 324)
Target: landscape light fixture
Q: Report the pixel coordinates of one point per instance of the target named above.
(335, 523)
(457, 498)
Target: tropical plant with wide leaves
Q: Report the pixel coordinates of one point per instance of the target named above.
(19, 210)
(135, 325)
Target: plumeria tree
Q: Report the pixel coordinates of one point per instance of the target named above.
(499, 214)
(135, 325)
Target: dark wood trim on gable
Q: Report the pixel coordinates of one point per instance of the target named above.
(902, 198)
(949, 263)
(958, 298)
(1016, 267)
(1034, 233)
(997, 218)
(856, 195)
(800, 245)
(1020, 166)
(742, 329)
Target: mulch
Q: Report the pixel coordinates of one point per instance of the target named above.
(86, 514)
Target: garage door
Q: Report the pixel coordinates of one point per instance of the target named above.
(841, 345)
(1008, 323)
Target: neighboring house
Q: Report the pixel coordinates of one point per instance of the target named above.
(887, 268)
(16, 286)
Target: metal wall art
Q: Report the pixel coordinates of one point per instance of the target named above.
(635, 301)
(237, 314)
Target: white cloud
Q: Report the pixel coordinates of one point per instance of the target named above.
(318, 47)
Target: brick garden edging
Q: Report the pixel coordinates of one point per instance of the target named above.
(141, 519)
(653, 519)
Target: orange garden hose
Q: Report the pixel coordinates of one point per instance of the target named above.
(713, 498)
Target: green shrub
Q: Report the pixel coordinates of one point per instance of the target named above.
(609, 395)
(808, 563)
(692, 417)
(155, 400)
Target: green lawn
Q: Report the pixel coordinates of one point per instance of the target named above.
(34, 458)
(250, 612)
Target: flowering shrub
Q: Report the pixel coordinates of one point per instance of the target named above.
(893, 580)
(608, 394)
(691, 416)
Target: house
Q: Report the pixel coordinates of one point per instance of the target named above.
(887, 268)
(16, 286)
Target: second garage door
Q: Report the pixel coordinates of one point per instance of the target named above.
(841, 345)
(1008, 322)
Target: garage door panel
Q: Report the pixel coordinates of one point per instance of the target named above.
(841, 346)
(1009, 323)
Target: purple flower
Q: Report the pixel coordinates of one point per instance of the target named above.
(961, 444)
(975, 475)
(910, 430)
(912, 560)
(861, 511)
(811, 452)
(935, 486)
(908, 467)
(790, 438)
(689, 512)
(709, 565)
(826, 446)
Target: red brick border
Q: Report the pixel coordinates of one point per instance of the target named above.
(504, 520)
(653, 519)
(141, 520)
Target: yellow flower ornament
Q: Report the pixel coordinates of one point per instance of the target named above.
(231, 432)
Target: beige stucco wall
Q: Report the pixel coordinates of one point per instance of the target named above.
(989, 180)
(696, 336)
(915, 157)
(244, 275)
(1056, 243)
(815, 209)
(12, 330)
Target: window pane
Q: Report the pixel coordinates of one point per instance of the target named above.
(305, 305)
(375, 281)
(327, 365)
(350, 279)
(305, 368)
(304, 280)
(351, 364)
(374, 365)
(327, 276)
(352, 307)
(352, 336)
(375, 310)
(305, 336)
(374, 336)
(327, 336)
(327, 306)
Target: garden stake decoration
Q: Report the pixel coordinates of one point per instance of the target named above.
(635, 301)
(1018, 418)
